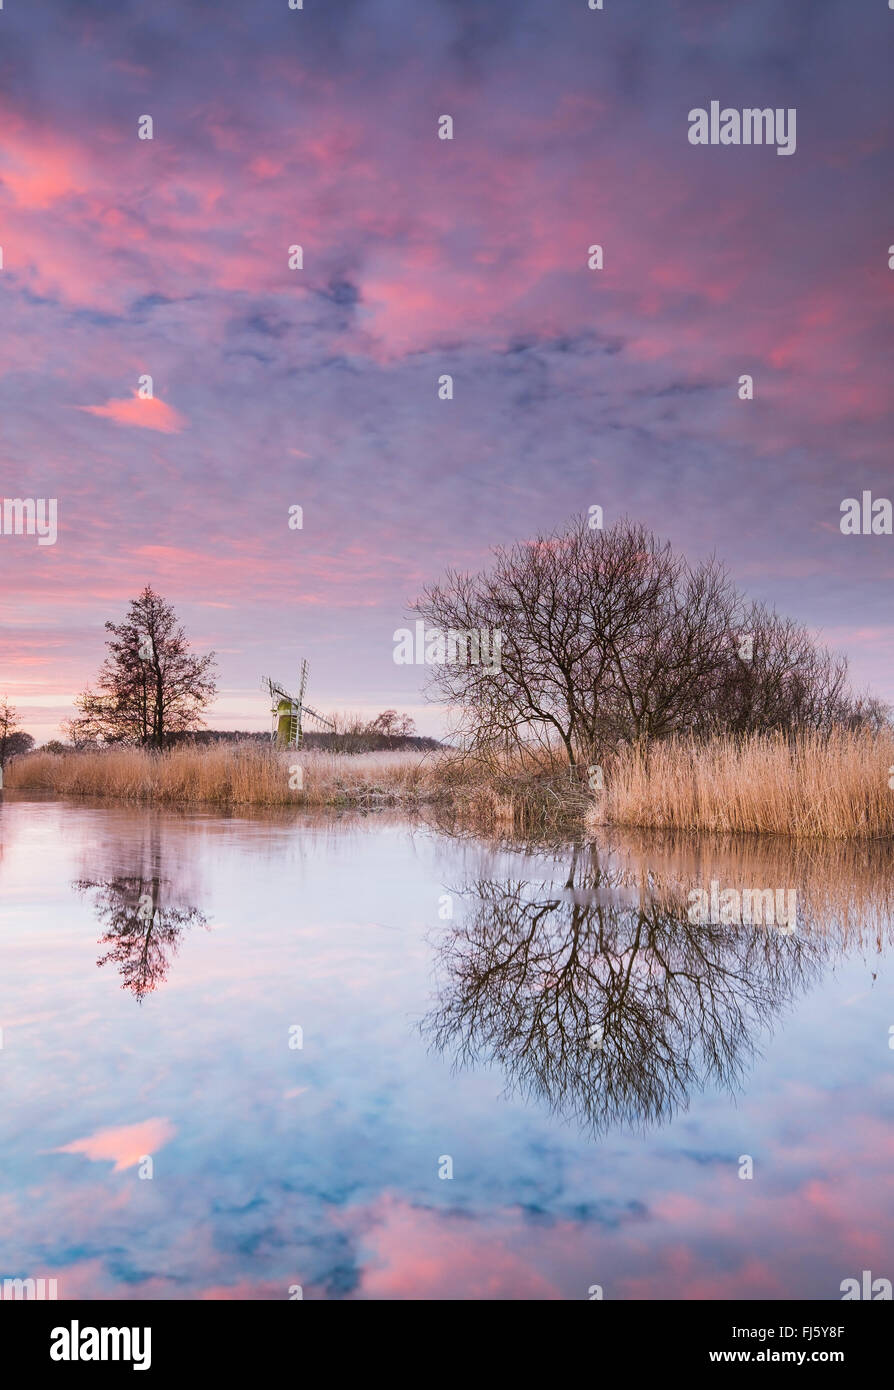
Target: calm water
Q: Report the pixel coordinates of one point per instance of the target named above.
(593, 1065)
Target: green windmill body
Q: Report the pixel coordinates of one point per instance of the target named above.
(288, 724)
(290, 711)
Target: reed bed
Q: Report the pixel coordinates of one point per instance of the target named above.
(534, 793)
(529, 795)
(813, 786)
(229, 775)
(830, 786)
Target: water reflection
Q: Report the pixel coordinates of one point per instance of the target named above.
(596, 995)
(143, 914)
(328, 1175)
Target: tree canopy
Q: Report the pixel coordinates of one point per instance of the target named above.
(150, 686)
(611, 635)
(13, 740)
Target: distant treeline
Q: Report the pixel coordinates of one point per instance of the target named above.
(353, 741)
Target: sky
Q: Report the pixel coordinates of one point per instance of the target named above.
(277, 387)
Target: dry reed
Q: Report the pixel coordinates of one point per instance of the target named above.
(832, 786)
(821, 786)
(243, 774)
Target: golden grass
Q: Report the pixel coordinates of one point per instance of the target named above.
(243, 774)
(507, 795)
(826, 786)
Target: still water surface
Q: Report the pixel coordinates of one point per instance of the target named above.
(594, 1066)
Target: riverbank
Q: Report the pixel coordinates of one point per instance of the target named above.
(826, 787)
(241, 774)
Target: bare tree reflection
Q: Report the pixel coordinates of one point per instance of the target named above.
(610, 1011)
(142, 918)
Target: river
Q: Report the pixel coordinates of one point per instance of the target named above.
(279, 1055)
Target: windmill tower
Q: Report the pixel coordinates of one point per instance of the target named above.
(289, 712)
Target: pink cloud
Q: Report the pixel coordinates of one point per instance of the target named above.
(38, 168)
(148, 414)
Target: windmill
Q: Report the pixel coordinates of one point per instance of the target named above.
(289, 712)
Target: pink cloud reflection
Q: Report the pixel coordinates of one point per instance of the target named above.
(125, 1145)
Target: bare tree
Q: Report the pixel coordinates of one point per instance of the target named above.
(608, 636)
(779, 678)
(391, 725)
(13, 740)
(150, 685)
(562, 604)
